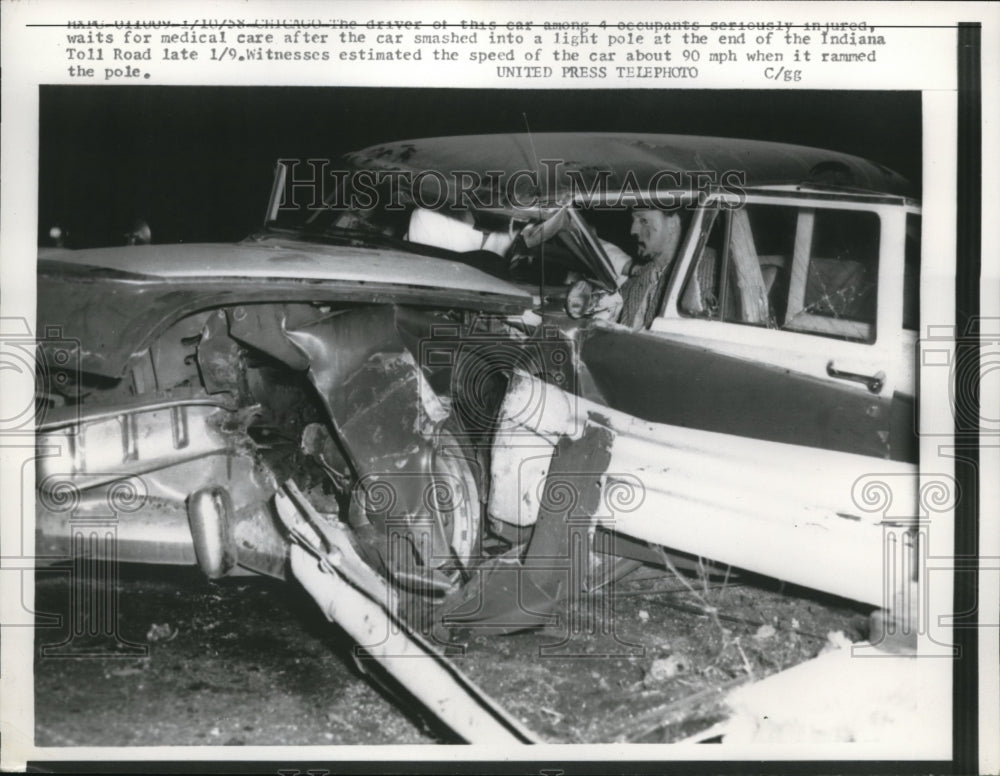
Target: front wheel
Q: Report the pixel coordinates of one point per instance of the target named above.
(454, 502)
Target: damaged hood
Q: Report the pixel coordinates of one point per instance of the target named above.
(285, 261)
(115, 301)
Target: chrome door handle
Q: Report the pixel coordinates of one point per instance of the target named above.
(873, 382)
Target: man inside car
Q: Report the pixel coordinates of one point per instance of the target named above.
(658, 236)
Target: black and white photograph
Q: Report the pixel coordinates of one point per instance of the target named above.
(424, 387)
(445, 416)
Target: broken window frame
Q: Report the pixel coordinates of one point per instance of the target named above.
(796, 318)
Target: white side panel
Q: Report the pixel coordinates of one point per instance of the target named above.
(809, 516)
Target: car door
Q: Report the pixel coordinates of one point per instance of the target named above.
(783, 320)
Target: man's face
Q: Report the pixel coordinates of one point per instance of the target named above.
(655, 232)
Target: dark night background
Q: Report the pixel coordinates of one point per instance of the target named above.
(196, 162)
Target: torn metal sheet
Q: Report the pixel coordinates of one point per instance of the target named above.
(143, 291)
(388, 420)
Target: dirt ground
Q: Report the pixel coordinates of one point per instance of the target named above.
(185, 661)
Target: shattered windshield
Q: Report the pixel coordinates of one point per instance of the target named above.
(550, 245)
(320, 204)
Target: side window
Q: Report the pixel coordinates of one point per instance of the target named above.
(812, 270)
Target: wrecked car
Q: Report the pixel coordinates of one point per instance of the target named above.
(760, 391)
(419, 391)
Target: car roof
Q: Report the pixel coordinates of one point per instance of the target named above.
(616, 155)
